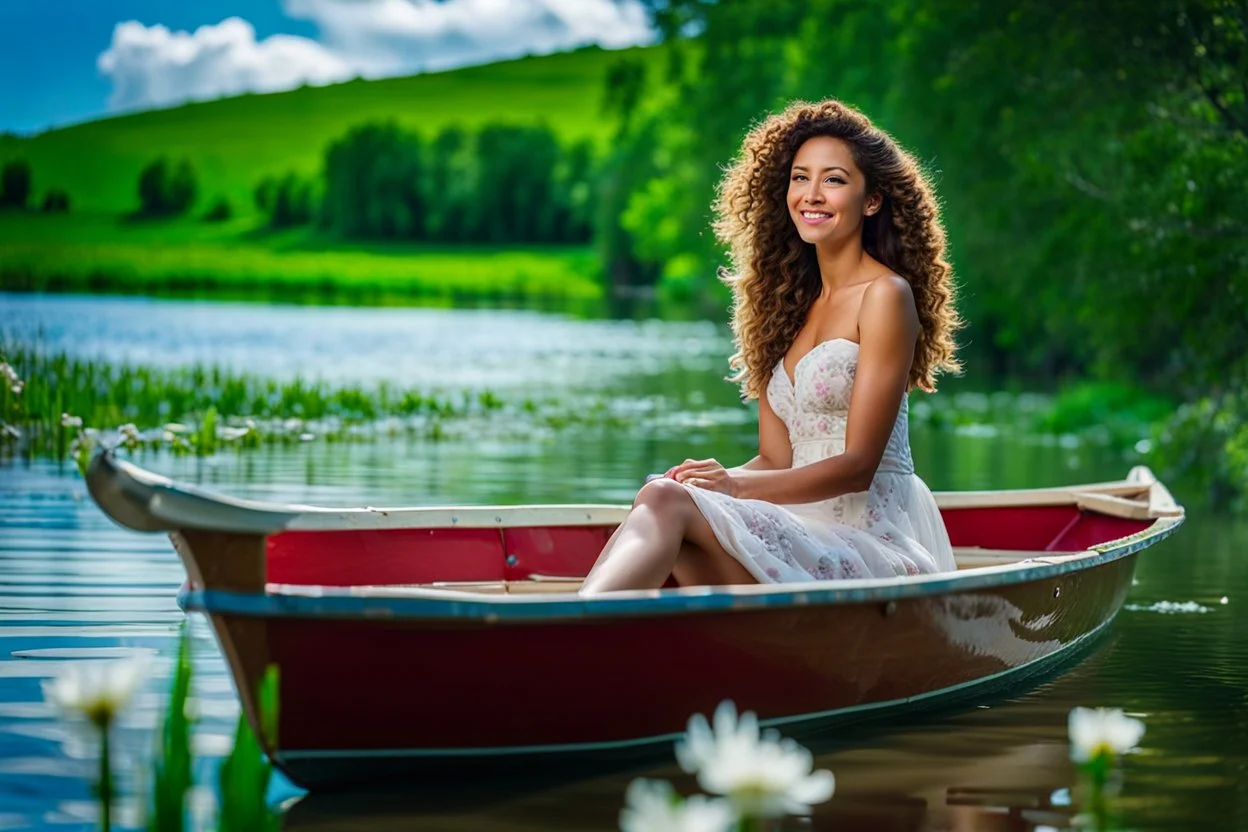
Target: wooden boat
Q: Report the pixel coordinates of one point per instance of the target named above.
(434, 636)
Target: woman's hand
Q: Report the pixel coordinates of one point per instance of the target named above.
(707, 474)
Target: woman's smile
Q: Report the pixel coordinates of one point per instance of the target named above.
(815, 217)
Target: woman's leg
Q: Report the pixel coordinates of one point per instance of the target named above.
(664, 534)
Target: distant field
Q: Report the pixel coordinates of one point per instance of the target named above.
(105, 254)
(235, 142)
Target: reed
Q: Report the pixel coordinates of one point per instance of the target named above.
(55, 404)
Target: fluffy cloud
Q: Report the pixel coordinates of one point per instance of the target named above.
(152, 66)
(393, 36)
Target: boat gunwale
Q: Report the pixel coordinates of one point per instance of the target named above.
(146, 501)
(381, 603)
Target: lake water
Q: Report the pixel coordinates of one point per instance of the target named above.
(75, 586)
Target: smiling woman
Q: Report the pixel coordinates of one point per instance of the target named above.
(839, 258)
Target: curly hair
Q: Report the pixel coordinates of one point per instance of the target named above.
(775, 275)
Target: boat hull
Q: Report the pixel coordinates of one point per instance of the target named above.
(359, 696)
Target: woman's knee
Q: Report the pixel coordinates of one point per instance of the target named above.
(663, 495)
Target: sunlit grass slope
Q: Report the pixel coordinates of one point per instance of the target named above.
(105, 254)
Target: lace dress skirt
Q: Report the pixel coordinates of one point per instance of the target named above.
(893, 528)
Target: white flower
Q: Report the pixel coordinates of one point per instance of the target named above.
(652, 806)
(68, 421)
(11, 378)
(761, 774)
(1104, 731)
(97, 690)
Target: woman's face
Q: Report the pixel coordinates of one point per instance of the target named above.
(827, 192)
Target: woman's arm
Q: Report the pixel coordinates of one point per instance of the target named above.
(774, 451)
(888, 326)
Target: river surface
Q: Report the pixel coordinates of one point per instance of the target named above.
(74, 586)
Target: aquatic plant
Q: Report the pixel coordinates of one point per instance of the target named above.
(172, 764)
(653, 806)
(1098, 739)
(99, 691)
(71, 405)
(757, 775)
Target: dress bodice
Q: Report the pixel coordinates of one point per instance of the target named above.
(814, 406)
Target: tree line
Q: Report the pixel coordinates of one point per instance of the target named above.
(17, 188)
(1089, 157)
(502, 184)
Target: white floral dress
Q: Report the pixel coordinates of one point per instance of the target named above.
(892, 528)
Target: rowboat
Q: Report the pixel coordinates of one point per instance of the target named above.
(413, 638)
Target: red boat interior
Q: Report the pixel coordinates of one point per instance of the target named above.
(555, 558)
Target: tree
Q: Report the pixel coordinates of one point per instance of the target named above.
(373, 184)
(166, 193)
(450, 188)
(15, 184)
(220, 211)
(517, 182)
(55, 201)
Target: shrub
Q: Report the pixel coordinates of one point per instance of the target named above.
(15, 184)
(55, 201)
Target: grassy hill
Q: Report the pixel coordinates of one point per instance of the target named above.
(236, 141)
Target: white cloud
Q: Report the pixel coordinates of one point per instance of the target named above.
(152, 66)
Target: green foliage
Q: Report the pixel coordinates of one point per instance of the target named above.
(287, 200)
(1089, 157)
(172, 763)
(55, 201)
(165, 191)
(516, 185)
(1124, 410)
(220, 211)
(504, 184)
(15, 184)
(373, 184)
(245, 774)
(1205, 445)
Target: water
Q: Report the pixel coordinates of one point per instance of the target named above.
(73, 585)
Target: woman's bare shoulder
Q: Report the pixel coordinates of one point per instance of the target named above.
(888, 301)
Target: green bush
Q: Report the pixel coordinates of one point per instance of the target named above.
(220, 211)
(166, 191)
(55, 201)
(15, 184)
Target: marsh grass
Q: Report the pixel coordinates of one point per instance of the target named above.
(55, 404)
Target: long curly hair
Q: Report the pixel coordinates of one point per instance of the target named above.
(775, 275)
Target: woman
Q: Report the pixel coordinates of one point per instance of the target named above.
(843, 304)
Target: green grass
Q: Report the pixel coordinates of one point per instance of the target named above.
(60, 405)
(234, 142)
(107, 254)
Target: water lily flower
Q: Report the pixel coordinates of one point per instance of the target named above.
(1103, 733)
(97, 690)
(762, 775)
(11, 378)
(652, 806)
(68, 421)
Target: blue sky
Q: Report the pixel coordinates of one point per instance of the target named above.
(159, 53)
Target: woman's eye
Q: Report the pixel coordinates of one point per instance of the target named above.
(838, 180)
